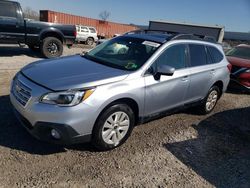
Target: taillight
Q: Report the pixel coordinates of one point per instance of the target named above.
(229, 66)
(75, 33)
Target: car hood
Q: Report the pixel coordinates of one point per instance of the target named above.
(240, 62)
(71, 72)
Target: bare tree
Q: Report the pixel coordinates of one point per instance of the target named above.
(30, 13)
(104, 15)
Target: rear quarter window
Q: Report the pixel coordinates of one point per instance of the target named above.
(92, 30)
(216, 55)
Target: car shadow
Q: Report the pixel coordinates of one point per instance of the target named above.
(221, 152)
(13, 135)
(237, 91)
(10, 51)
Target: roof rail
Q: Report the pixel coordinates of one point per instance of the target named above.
(194, 37)
(175, 35)
(145, 31)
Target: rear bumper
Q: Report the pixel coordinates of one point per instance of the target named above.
(42, 131)
(69, 41)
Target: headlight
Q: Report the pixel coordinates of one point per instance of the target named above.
(66, 98)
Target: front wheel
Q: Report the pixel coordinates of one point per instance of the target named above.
(113, 127)
(51, 47)
(210, 101)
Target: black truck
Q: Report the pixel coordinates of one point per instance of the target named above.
(44, 36)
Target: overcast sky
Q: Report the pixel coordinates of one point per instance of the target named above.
(233, 14)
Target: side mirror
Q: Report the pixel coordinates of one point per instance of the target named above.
(165, 70)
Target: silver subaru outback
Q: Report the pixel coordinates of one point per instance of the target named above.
(100, 96)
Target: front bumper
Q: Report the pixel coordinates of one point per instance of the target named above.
(74, 124)
(42, 131)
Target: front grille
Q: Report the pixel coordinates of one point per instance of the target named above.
(21, 92)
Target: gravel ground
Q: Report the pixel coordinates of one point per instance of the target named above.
(180, 150)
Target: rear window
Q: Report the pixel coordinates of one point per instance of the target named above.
(198, 55)
(77, 28)
(215, 54)
(7, 9)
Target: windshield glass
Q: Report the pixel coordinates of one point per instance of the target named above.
(241, 52)
(126, 53)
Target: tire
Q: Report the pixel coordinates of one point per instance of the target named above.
(210, 101)
(51, 47)
(107, 131)
(90, 41)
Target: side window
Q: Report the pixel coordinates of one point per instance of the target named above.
(209, 57)
(7, 9)
(92, 30)
(198, 55)
(174, 56)
(216, 54)
(84, 29)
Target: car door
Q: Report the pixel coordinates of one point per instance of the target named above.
(168, 91)
(201, 72)
(84, 33)
(11, 24)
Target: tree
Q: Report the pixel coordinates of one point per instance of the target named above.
(30, 13)
(104, 15)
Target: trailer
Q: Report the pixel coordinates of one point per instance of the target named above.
(216, 32)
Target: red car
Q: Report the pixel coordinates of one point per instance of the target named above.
(239, 57)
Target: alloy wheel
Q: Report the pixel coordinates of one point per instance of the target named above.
(211, 100)
(115, 128)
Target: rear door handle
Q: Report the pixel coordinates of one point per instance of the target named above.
(184, 78)
(212, 71)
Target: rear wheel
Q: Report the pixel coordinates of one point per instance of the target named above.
(210, 101)
(51, 47)
(113, 127)
(90, 41)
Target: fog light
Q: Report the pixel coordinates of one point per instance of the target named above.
(55, 134)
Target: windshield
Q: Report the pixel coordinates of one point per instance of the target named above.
(241, 52)
(126, 53)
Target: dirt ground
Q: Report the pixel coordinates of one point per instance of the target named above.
(180, 150)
